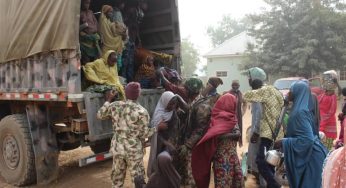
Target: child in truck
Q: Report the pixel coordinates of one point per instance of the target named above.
(88, 36)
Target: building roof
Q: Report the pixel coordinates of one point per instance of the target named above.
(234, 46)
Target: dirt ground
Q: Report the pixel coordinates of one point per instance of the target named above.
(98, 174)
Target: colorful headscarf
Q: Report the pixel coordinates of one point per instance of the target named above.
(145, 70)
(172, 74)
(328, 80)
(194, 85)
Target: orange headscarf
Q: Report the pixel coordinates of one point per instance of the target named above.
(142, 56)
(106, 8)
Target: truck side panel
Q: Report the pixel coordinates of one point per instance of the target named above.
(56, 72)
(149, 99)
(98, 129)
(102, 129)
(160, 28)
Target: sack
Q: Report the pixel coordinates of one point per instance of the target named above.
(280, 175)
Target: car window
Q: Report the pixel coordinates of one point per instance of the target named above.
(283, 84)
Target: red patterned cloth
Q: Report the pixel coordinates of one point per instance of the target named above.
(328, 105)
(223, 120)
(226, 166)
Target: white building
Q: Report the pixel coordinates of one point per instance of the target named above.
(224, 61)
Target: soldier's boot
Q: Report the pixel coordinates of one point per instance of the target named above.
(139, 182)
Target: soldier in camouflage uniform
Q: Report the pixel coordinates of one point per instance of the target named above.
(131, 127)
(196, 125)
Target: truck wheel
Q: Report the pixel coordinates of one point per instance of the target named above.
(17, 160)
(101, 146)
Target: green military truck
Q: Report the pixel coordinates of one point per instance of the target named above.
(42, 108)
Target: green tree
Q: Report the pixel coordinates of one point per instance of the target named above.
(225, 29)
(189, 56)
(299, 37)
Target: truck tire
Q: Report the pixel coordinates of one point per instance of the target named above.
(101, 146)
(17, 159)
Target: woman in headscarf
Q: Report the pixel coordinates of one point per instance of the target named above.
(103, 73)
(334, 172)
(161, 171)
(303, 151)
(328, 106)
(219, 146)
(145, 69)
(109, 31)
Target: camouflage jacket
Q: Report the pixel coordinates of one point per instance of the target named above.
(198, 121)
(130, 126)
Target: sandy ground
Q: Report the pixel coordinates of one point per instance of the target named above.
(98, 174)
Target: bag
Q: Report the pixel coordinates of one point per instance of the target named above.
(280, 175)
(278, 124)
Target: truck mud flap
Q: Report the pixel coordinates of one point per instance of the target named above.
(98, 129)
(44, 144)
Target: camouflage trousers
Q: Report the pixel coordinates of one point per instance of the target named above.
(185, 170)
(121, 164)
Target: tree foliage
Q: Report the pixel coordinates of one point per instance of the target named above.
(225, 29)
(190, 57)
(299, 37)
